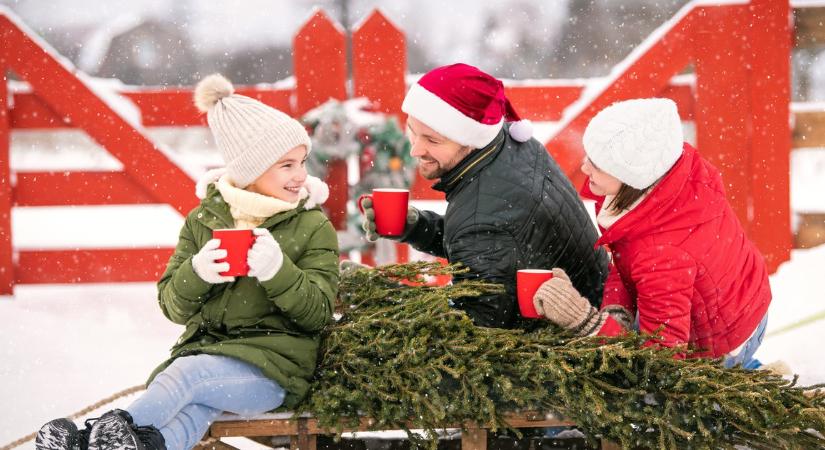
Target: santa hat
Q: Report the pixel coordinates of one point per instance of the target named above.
(464, 105)
(636, 141)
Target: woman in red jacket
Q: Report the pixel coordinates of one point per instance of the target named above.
(681, 260)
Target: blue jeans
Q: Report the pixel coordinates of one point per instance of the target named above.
(184, 399)
(745, 356)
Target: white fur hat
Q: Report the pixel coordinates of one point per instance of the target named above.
(251, 136)
(636, 141)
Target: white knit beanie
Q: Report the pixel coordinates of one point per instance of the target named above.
(636, 141)
(251, 136)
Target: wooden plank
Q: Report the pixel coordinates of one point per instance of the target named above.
(809, 27)
(379, 63)
(303, 442)
(769, 63)
(214, 444)
(320, 39)
(78, 188)
(809, 129)
(287, 427)
(474, 439)
(91, 266)
(6, 193)
(723, 113)
(605, 445)
(174, 107)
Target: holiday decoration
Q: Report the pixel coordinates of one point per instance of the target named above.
(402, 356)
(348, 129)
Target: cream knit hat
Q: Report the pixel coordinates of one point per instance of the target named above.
(251, 136)
(636, 141)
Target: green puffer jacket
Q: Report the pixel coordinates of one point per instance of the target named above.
(273, 324)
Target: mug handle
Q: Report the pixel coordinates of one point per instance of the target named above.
(360, 199)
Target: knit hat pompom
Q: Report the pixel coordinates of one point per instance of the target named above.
(210, 90)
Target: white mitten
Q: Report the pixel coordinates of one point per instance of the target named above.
(206, 265)
(265, 258)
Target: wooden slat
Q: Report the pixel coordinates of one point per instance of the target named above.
(474, 439)
(214, 445)
(809, 27)
(809, 129)
(287, 427)
(6, 192)
(91, 266)
(77, 188)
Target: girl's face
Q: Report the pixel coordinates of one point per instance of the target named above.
(284, 179)
(601, 183)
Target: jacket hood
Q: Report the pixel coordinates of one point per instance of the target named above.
(687, 196)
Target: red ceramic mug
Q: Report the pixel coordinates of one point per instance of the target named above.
(390, 206)
(528, 282)
(237, 244)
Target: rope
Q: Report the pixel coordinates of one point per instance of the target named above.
(799, 323)
(79, 414)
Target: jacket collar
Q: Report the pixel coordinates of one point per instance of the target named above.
(690, 193)
(474, 163)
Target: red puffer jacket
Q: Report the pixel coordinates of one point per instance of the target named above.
(681, 260)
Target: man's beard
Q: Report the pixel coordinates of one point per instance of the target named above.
(433, 171)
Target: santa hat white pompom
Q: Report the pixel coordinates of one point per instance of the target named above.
(521, 130)
(210, 90)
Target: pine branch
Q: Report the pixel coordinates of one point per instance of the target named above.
(403, 356)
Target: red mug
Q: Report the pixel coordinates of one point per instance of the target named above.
(390, 206)
(528, 282)
(237, 244)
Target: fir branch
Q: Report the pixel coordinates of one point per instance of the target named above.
(403, 356)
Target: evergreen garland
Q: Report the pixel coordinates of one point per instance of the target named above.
(402, 356)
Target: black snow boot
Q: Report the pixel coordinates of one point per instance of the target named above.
(116, 430)
(58, 434)
(151, 438)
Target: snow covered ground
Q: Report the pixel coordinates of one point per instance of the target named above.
(68, 346)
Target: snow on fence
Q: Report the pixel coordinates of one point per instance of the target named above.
(738, 99)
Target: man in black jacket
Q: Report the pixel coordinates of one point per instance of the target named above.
(509, 205)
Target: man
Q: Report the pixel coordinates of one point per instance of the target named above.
(509, 205)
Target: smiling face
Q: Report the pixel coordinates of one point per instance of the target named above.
(284, 179)
(601, 182)
(436, 155)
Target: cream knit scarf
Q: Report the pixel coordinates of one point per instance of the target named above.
(250, 209)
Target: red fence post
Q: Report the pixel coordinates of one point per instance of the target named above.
(722, 106)
(319, 57)
(379, 63)
(57, 83)
(6, 257)
(770, 38)
(641, 75)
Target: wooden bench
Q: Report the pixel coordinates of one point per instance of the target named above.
(303, 431)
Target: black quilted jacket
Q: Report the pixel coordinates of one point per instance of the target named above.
(510, 207)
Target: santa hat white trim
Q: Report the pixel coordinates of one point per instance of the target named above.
(447, 120)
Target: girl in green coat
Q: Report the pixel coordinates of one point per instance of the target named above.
(251, 342)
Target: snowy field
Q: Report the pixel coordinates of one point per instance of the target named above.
(68, 346)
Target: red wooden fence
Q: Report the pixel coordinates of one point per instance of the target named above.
(739, 102)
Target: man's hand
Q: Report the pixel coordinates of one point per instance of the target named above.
(369, 220)
(558, 301)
